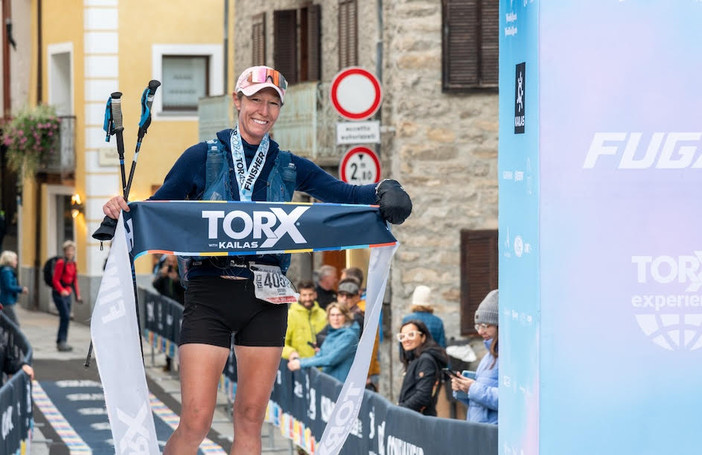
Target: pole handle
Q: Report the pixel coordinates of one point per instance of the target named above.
(116, 98)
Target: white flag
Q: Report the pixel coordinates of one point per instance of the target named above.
(345, 412)
(115, 334)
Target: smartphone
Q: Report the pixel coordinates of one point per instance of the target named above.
(312, 345)
(448, 374)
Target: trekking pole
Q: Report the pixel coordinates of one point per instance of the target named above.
(113, 126)
(147, 98)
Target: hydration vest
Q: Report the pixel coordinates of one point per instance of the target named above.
(219, 186)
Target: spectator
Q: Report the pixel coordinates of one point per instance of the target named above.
(336, 354)
(482, 392)
(326, 285)
(354, 272)
(65, 279)
(167, 281)
(422, 309)
(423, 360)
(10, 362)
(350, 295)
(9, 287)
(305, 320)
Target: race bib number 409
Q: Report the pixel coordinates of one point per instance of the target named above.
(272, 286)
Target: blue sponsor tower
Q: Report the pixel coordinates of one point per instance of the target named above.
(600, 168)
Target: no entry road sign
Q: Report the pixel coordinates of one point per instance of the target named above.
(355, 93)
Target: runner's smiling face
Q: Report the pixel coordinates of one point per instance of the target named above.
(257, 114)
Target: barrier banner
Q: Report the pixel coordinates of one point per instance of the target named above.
(301, 406)
(16, 415)
(204, 228)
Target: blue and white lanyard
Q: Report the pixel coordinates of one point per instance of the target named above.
(246, 177)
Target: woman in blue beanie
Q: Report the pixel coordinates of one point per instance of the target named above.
(482, 391)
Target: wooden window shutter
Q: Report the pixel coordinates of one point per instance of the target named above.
(258, 40)
(285, 43)
(314, 43)
(470, 49)
(348, 33)
(489, 43)
(459, 44)
(479, 268)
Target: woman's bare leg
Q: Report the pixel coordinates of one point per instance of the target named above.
(201, 367)
(256, 372)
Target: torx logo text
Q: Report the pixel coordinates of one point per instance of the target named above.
(240, 225)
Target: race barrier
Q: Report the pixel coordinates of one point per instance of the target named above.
(301, 403)
(160, 318)
(16, 421)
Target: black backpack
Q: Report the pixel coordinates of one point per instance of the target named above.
(49, 267)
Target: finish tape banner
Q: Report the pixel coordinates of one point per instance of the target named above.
(205, 228)
(223, 229)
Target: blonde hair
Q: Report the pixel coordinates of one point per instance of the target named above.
(7, 257)
(68, 243)
(341, 307)
(421, 309)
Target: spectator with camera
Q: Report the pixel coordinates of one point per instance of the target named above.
(482, 391)
(305, 320)
(423, 359)
(167, 281)
(336, 354)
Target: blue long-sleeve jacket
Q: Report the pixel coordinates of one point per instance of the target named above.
(482, 396)
(9, 288)
(335, 356)
(186, 179)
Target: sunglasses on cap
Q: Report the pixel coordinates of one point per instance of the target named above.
(262, 74)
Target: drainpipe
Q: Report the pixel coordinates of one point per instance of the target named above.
(37, 191)
(226, 46)
(6, 96)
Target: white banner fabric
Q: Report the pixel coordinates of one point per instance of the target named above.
(115, 335)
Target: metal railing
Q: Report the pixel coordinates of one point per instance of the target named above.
(64, 160)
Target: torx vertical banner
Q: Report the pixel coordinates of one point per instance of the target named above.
(616, 302)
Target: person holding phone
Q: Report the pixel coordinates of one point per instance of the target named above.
(423, 359)
(336, 354)
(482, 391)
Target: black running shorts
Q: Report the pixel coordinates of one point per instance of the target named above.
(216, 307)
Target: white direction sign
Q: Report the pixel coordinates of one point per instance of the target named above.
(358, 132)
(360, 166)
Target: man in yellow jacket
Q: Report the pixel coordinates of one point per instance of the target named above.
(305, 320)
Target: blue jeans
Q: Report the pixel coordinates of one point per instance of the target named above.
(63, 305)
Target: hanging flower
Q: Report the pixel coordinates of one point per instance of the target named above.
(31, 138)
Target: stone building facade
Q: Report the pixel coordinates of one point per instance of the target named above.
(441, 146)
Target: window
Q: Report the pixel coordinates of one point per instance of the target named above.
(297, 55)
(470, 44)
(187, 72)
(479, 266)
(185, 79)
(258, 40)
(348, 34)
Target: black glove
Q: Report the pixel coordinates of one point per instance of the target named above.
(395, 203)
(106, 230)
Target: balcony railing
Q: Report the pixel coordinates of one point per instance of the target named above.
(64, 160)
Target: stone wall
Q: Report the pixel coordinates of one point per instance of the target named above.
(441, 146)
